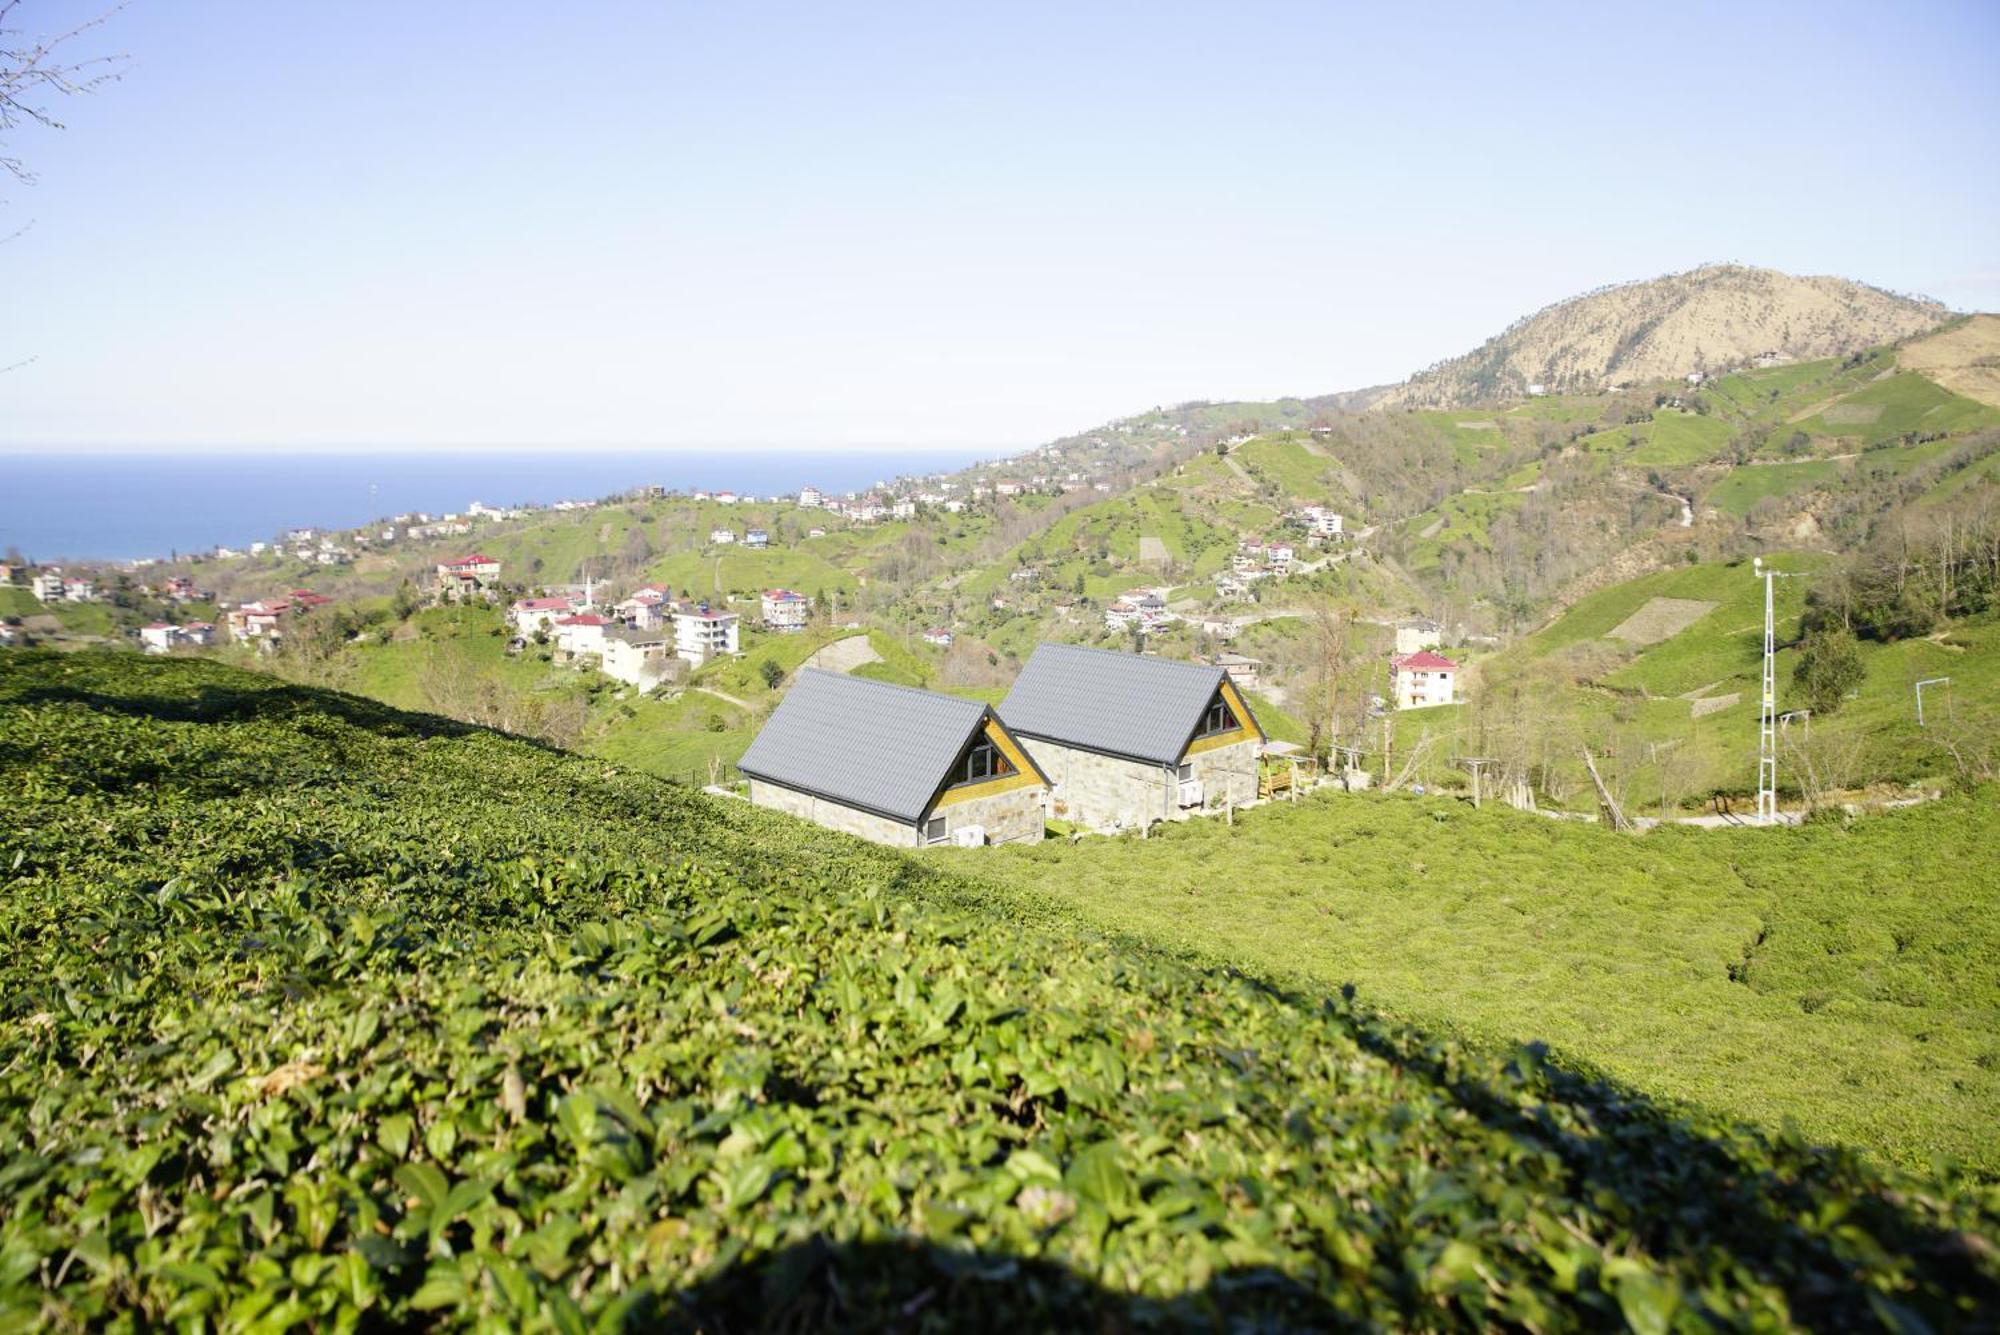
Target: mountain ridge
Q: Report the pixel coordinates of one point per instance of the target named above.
(1715, 317)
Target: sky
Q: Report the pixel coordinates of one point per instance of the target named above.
(382, 224)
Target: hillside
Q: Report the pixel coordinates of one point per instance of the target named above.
(318, 1013)
(1709, 319)
(1845, 979)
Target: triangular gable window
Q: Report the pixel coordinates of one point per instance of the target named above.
(1218, 717)
(981, 760)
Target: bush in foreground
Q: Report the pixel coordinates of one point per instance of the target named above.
(312, 1012)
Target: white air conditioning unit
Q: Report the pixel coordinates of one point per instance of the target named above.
(1190, 793)
(969, 836)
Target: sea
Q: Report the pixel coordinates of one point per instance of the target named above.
(79, 505)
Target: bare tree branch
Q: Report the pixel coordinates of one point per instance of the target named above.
(33, 76)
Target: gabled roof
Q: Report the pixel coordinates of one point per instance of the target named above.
(1143, 709)
(1424, 660)
(583, 619)
(882, 748)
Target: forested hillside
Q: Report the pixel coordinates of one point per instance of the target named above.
(313, 1012)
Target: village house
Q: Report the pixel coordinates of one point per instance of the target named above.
(895, 764)
(1242, 669)
(201, 634)
(158, 637)
(581, 634)
(702, 632)
(725, 498)
(1321, 523)
(815, 532)
(785, 612)
(1139, 607)
(810, 497)
(531, 615)
(756, 538)
(179, 588)
(1422, 679)
(722, 537)
(260, 622)
(904, 509)
(47, 586)
(1278, 556)
(469, 577)
(637, 657)
(939, 636)
(1126, 740)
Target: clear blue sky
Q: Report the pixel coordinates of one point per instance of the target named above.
(926, 225)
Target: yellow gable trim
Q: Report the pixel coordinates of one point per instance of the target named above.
(1240, 706)
(1248, 732)
(1024, 775)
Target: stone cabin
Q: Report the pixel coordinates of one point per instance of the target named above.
(1126, 740)
(895, 764)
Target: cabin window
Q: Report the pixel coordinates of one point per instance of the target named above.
(1219, 718)
(982, 762)
(934, 830)
(1186, 771)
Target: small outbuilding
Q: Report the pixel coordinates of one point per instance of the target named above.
(895, 764)
(1126, 740)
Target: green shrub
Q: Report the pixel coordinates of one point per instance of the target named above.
(314, 1013)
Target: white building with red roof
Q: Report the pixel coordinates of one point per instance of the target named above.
(785, 612)
(470, 576)
(530, 615)
(1422, 679)
(158, 637)
(582, 633)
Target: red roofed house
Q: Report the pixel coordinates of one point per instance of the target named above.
(259, 622)
(581, 634)
(785, 612)
(1422, 679)
(157, 638)
(530, 615)
(468, 577)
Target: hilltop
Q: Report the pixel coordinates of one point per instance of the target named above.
(1717, 317)
(314, 1012)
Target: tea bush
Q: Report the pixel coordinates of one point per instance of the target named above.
(314, 1013)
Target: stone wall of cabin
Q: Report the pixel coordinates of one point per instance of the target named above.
(1015, 816)
(1011, 817)
(1228, 773)
(1101, 792)
(833, 815)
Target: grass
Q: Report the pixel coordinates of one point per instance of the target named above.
(319, 1014)
(1745, 485)
(1676, 439)
(1844, 979)
(18, 602)
(1898, 405)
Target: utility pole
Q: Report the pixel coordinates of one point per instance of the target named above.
(1767, 714)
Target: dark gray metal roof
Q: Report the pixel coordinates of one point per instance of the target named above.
(1142, 709)
(868, 744)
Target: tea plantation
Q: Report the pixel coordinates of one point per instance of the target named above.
(318, 1014)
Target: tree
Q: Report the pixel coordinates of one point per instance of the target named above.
(31, 72)
(1829, 667)
(771, 673)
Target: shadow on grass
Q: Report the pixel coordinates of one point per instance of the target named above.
(905, 1286)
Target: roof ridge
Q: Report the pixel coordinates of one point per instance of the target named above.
(871, 682)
